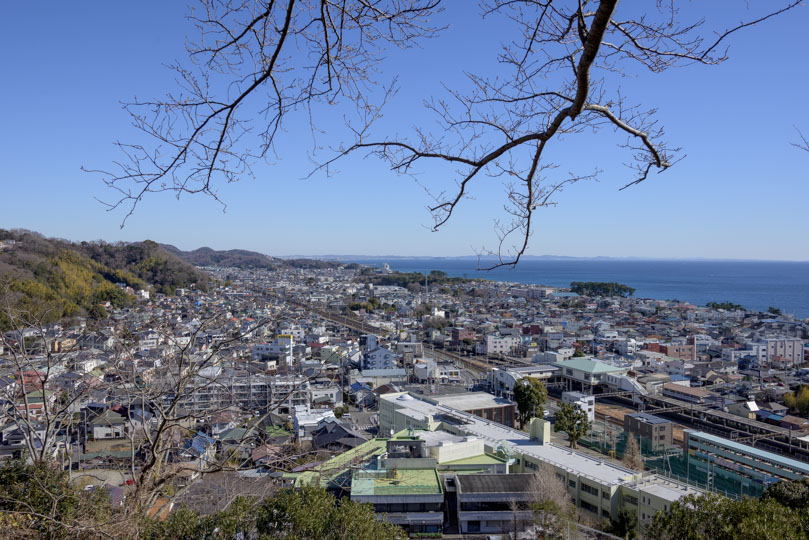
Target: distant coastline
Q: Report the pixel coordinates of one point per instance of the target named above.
(383, 258)
(756, 285)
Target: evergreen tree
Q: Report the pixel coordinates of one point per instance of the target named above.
(530, 395)
(573, 421)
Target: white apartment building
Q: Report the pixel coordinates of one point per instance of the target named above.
(278, 351)
(500, 344)
(788, 348)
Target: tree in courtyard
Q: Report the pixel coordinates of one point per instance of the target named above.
(632, 455)
(551, 502)
(573, 421)
(624, 525)
(530, 395)
(253, 65)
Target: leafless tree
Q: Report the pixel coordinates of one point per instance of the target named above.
(804, 144)
(156, 404)
(252, 64)
(552, 504)
(632, 454)
(267, 59)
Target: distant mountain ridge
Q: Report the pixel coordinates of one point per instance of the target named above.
(52, 278)
(235, 258)
(245, 259)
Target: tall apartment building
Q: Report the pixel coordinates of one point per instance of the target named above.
(790, 349)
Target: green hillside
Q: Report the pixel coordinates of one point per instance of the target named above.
(53, 278)
(242, 258)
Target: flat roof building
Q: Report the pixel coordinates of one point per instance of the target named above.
(480, 404)
(598, 486)
(654, 431)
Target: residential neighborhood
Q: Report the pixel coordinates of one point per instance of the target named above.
(404, 397)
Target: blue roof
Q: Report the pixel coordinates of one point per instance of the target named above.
(357, 386)
(200, 442)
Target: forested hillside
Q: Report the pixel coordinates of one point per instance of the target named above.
(56, 278)
(232, 258)
(242, 258)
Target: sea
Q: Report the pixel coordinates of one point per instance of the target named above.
(756, 285)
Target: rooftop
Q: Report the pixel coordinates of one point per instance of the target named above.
(395, 482)
(588, 365)
(481, 459)
(496, 435)
(665, 488)
(494, 483)
(649, 418)
(771, 457)
(469, 401)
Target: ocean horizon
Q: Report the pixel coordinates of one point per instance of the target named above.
(753, 284)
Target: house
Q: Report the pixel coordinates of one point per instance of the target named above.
(268, 456)
(336, 436)
(745, 409)
(238, 441)
(224, 420)
(200, 448)
(108, 425)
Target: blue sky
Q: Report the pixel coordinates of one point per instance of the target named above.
(741, 192)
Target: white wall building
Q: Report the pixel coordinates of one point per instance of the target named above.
(500, 344)
(582, 401)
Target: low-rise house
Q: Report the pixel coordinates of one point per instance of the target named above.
(336, 436)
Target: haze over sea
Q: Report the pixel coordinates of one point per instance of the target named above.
(756, 285)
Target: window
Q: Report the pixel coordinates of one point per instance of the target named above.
(605, 494)
(571, 483)
(587, 488)
(589, 507)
